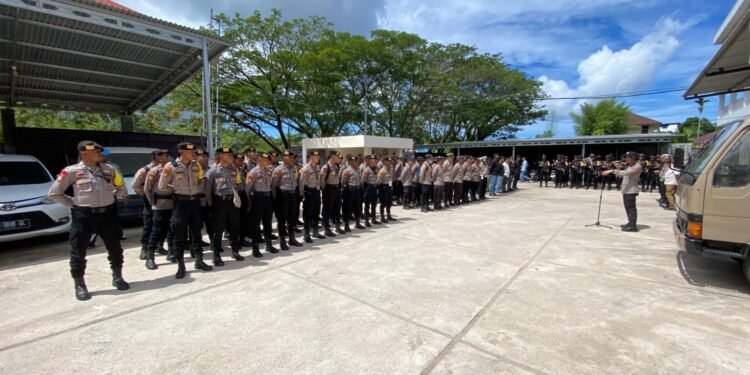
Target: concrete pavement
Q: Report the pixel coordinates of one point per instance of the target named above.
(516, 284)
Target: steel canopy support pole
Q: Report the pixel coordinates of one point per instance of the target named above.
(207, 121)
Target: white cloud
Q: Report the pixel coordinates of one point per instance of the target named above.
(607, 71)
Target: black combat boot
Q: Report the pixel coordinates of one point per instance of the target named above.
(308, 239)
(329, 233)
(256, 251)
(391, 218)
(293, 241)
(282, 243)
(367, 221)
(82, 293)
(150, 262)
(117, 280)
(383, 219)
(346, 227)
(163, 251)
(236, 255)
(144, 253)
(180, 268)
(339, 230)
(359, 225)
(199, 264)
(374, 218)
(271, 249)
(218, 262)
(317, 234)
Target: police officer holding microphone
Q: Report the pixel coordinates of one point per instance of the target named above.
(93, 204)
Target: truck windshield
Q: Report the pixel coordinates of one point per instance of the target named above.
(696, 166)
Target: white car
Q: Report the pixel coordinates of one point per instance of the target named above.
(25, 211)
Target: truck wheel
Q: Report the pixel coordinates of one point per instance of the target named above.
(746, 268)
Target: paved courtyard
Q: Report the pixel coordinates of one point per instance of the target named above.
(517, 284)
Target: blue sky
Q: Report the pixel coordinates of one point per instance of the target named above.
(576, 48)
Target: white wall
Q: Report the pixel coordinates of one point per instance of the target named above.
(733, 107)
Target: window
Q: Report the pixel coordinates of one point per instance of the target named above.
(129, 163)
(22, 173)
(734, 170)
(644, 129)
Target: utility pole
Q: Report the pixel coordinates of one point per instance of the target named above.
(217, 140)
(700, 102)
(367, 105)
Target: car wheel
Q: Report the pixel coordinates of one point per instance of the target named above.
(746, 268)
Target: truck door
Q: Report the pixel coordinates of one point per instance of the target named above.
(727, 205)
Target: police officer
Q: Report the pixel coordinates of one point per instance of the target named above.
(416, 186)
(425, 179)
(222, 183)
(369, 183)
(407, 175)
(438, 178)
(137, 185)
(329, 182)
(260, 198)
(351, 183)
(250, 162)
(458, 181)
(202, 159)
(161, 207)
(309, 187)
(384, 181)
(284, 186)
(95, 186)
(448, 180)
(184, 177)
(630, 173)
(398, 186)
(544, 169)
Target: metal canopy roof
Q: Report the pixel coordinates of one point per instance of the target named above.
(729, 70)
(587, 140)
(94, 56)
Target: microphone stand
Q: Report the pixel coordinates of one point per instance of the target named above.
(598, 224)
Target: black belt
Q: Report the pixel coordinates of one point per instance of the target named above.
(353, 187)
(288, 192)
(93, 210)
(223, 197)
(182, 197)
(159, 196)
(332, 186)
(262, 194)
(311, 189)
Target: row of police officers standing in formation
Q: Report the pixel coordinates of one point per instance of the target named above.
(585, 173)
(239, 194)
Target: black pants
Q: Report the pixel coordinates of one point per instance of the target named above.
(148, 222)
(385, 195)
(311, 209)
(225, 216)
(261, 211)
(448, 194)
(630, 208)
(371, 201)
(483, 187)
(437, 196)
(466, 191)
(160, 230)
(426, 193)
(244, 227)
(186, 217)
(559, 173)
(398, 190)
(331, 205)
(416, 193)
(544, 178)
(407, 196)
(286, 207)
(458, 193)
(352, 204)
(84, 224)
(516, 177)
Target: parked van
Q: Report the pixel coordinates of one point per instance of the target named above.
(713, 205)
(128, 160)
(25, 210)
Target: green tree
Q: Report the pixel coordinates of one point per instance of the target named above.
(603, 118)
(689, 129)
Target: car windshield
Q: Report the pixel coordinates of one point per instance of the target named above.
(22, 173)
(129, 163)
(696, 166)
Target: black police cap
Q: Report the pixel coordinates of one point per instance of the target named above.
(89, 146)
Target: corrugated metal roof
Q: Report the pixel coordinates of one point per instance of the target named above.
(85, 55)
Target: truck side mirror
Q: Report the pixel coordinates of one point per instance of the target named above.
(678, 158)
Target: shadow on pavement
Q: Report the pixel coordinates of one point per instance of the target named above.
(712, 272)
